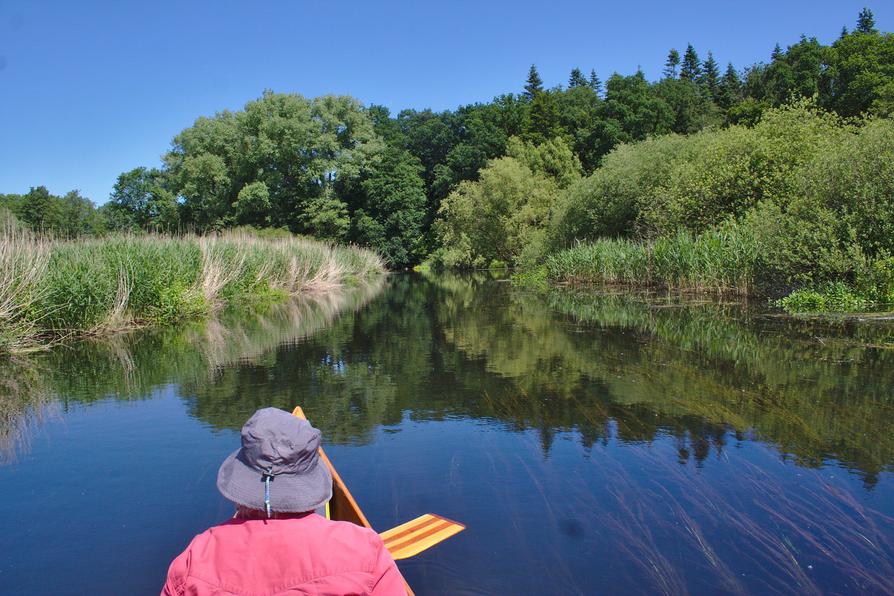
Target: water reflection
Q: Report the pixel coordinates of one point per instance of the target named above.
(615, 391)
(632, 367)
(194, 354)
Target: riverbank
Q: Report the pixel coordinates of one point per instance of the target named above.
(723, 261)
(52, 290)
(796, 209)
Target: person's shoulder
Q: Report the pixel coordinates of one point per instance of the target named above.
(350, 531)
(214, 533)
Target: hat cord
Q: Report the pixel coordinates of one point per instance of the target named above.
(268, 476)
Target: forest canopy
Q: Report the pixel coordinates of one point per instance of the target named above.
(414, 184)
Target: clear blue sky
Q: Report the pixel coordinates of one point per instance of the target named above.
(90, 89)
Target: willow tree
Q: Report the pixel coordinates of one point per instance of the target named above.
(303, 152)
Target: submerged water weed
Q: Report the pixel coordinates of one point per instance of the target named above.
(101, 285)
(834, 297)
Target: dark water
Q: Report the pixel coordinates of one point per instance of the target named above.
(593, 444)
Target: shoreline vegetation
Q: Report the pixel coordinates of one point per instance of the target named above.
(798, 209)
(772, 180)
(51, 290)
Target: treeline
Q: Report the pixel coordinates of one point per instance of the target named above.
(333, 168)
(68, 216)
(804, 199)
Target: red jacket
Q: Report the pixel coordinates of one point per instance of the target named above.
(301, 555)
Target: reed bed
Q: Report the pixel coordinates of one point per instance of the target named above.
(51, 290)
(725, 260)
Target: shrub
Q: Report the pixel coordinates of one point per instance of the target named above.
(609, 202)
(501, 216)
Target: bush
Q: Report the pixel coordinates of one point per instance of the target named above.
(803, 199)
(609, 202)
(834, 297)
(499, 217)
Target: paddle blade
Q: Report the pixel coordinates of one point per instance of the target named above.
(413, 537)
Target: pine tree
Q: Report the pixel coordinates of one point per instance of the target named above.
(577, 79)
(710, 76)
(535, 83)
(843, 33)
(777, 53)
(595, 83)
(866, 22)
(673, 61)
(730, 88)
(691, 68)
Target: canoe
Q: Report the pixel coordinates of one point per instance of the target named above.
(403, 541)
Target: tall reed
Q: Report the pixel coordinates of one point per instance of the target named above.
(50, 290)
(725, 259)
(23, 263)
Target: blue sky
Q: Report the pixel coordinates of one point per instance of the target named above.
(90, 89)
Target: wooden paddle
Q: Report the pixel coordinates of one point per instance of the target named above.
(410, 539)
(403, 541)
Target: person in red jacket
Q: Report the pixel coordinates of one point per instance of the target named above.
(276, 543)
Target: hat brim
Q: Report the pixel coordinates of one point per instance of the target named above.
(289, 493)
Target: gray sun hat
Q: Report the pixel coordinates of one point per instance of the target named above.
(278, 467)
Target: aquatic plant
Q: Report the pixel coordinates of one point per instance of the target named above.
(56, 289)
(724, 259)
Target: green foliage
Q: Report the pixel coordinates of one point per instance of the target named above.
(858, 69)
(609, 201)
(671, 64)
(544, 120)
(710, 78)
(534, 84)
(252, 205)
(68, 216)
(141, 200)
(282, 161)
(577, 79)
(839, 217)
(866, 22)
(330, 167)
(691, 67)
(501, 216)
(692, 109)
(724, 259)
(833, 297)
(632, 111)
(391, 217)
(730, 89)
(326, 216)
(553, 159)
(802, 199)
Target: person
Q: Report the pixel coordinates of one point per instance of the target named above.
(277, 543)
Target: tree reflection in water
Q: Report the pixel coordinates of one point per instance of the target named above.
(605, 369)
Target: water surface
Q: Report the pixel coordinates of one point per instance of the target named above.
(593, 443)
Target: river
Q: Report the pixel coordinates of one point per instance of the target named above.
(592, 442)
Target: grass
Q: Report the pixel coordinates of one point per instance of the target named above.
(722, 260)
(57, 289)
